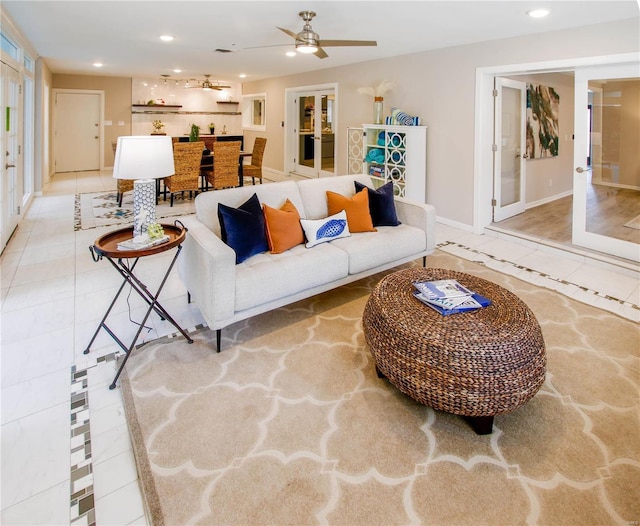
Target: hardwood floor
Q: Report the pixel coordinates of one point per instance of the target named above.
(608, 208)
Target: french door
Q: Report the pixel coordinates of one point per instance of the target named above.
(11, 166)
(509, 146)
(315, 133)
(606, 179)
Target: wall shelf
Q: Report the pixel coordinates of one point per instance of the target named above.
(156, 106)
(227, 102)
(163, 110)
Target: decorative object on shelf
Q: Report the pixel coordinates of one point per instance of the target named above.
(158, 127)
(143, 158)
(212, 128)
(224, 129)
(194, 134)
(378, 98)
(399, 118)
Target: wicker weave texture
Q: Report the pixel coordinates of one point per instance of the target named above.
(187, 157)
(226, 158)
(255, 168)
(480, 363)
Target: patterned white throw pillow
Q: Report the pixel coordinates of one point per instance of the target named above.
(321, 230)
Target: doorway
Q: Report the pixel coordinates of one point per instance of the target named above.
(310, 142)
(10, 144)
(549, 221)
(77, 130)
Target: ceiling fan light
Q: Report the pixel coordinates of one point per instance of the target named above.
(303, 47)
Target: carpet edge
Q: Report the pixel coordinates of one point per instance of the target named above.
(150, 497)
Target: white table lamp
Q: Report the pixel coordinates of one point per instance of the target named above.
(143, 159)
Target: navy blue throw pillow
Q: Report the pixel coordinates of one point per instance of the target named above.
(381, 204)
(243, 228)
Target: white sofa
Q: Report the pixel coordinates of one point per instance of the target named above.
(226, 292)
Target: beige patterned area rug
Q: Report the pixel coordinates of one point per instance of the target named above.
(94, 210)
(289, 424)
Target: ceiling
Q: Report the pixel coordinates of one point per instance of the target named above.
(124, 35)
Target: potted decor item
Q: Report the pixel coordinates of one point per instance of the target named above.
(158, 127)
(194, 134)
(378, 99)
(212, 128)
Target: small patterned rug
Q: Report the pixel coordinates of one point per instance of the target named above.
(101, 209)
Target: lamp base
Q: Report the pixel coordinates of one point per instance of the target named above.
(144, 205)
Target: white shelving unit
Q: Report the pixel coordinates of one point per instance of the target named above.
(397, 154)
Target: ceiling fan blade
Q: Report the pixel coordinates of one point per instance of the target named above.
(290, 33)
(321, 53)
(336, 43)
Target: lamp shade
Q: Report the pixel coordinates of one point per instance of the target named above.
(143, 157)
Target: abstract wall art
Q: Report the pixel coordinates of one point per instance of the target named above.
(543, 103)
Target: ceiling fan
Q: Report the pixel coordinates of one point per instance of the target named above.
(308, 41)
(207, 84)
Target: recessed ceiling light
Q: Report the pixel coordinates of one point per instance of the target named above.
(177, 71)
(166, 38)
(242, 75)
(97, 64)
(291, 53)
(538, 13)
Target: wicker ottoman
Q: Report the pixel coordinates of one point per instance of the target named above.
(476, 364)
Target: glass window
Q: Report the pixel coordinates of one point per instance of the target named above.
(9, 48)
(29, 64)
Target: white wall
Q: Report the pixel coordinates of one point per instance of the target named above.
(439, 86)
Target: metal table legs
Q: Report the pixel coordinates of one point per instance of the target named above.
(151, 299)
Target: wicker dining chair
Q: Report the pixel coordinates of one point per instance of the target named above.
(226, 158)
(254, 169)
(122, 185)
(187, 157)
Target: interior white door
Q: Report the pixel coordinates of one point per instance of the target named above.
(509, 140)
(11, 166)
(77, 131)
(607, 133)
(315, 152)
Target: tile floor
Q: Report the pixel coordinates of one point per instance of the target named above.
(66, 455)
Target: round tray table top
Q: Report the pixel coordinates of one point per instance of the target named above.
(107, 244)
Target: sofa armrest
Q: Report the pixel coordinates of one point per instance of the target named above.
(420, 215)
(207, 267)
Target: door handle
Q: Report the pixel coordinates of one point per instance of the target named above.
(580, 169)
(7, 166)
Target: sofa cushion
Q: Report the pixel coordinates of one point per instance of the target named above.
(381, 204)
(272, 194)
(356, 207)
(283, 227)
(322, 230)
(243, 228)
(371, 249)
(267, 277)
(314, 197)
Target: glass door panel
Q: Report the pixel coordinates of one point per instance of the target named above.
(509, 140)
(606, 200)
(315, 136)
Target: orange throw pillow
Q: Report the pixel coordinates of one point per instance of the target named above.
(284, 230)
(357, 208)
